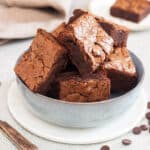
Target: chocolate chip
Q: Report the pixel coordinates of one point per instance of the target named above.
(105, 147)
(144, 127)
(126, 142)
(148, 105)
(136, 130)
(148, 115)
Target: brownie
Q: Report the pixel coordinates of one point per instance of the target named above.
(76, 14)
(60, 28)
(119, 33)
(132, 10)
(74, 88)
(69, 66)
(87, 42)
(39, 65)
(121, 70)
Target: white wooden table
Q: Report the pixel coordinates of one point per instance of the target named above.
(138, 42)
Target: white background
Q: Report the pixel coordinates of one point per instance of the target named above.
(139, 42)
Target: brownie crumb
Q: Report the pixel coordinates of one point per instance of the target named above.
(148, 105)
(105, 147)
(126, 142)
(144, 127)
(136, 130)
(148, 115)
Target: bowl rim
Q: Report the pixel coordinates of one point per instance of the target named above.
(110, 100)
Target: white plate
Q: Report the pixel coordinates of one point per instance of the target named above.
(101, 8)
(17, 107)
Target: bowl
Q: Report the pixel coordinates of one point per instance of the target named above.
(82, 115)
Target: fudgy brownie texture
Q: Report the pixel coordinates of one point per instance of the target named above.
(39, 65)
(119, 33)
(87, 42)
(74, 88)
(55, 33)
(121, 70)
(132, 10)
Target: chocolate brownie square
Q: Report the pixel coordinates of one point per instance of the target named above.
(39, 65)
(74, 88)
(121, 70)
(119, 33)
(132, 10)
(87, 42)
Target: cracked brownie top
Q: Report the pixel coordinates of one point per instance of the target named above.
(87, 41)
(132, 10)
(38, 66)
(120, 60)
(119, 33)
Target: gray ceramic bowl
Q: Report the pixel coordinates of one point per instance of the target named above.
(82, 115)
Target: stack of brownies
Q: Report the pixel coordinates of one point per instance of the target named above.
(84, 60)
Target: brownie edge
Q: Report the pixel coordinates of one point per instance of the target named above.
(131, 10)
(39, 65)
(118, 32)
(70, 86)
(121, 70)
